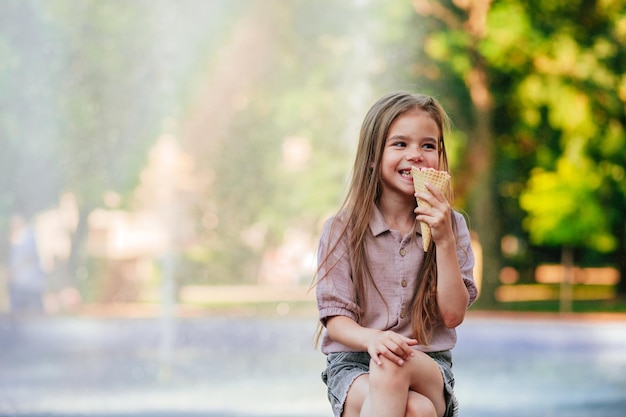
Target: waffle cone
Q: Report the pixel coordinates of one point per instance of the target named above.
(439, 179)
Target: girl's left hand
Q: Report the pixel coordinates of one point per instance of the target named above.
(391, 345)
(438, 216)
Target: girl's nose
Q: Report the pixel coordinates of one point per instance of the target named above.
(414, 155)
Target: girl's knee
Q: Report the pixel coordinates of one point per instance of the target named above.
(420, 406)
(389, 375)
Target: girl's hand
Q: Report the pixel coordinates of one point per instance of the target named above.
(438, 216)
(392, 346)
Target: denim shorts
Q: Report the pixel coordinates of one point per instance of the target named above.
(344, 367)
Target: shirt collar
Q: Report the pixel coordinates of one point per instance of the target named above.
(377, 222)
(378, 225)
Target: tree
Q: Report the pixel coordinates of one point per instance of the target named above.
(564, 210)
(105, 136)
(555, 80)
(565, 101)
(85, 93)
(29, 117)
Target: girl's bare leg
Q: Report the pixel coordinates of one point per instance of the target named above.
(420, 406)
(411, 390)
(388, 390)
(358, 392)
(426, 379)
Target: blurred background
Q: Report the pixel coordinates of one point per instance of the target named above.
(208, 140)
(168, 159)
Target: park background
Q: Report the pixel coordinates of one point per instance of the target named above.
(186, 153)
(176, 159)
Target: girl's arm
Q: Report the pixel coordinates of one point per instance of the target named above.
(452, 294)
(389, 344)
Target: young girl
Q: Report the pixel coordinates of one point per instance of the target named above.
(387, 306)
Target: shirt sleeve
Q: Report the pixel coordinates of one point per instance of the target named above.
(466, 257)
(335, 290)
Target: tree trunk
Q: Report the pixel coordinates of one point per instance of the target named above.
(566, 289)
(482, 197)
(621, 256)
(78, 251)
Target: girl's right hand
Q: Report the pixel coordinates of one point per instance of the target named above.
(391, 345)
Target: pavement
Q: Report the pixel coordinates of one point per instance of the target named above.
(266, 366)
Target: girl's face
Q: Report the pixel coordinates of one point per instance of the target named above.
(412, 141)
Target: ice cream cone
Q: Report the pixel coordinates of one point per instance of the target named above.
(439, 179)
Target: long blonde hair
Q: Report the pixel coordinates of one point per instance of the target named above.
(364, 192)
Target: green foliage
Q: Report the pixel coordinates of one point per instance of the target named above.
(563, 208)
(29, 115)
(562, 64)
(106, 52)
(555, 70)
(511, 40)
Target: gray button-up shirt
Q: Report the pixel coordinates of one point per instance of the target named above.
(394, 262)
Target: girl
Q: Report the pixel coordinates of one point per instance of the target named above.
(387, 307)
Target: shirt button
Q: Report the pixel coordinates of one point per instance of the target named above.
(402, 252)
(403, 283)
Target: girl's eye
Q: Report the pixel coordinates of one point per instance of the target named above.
(430, 146)
(399, 144)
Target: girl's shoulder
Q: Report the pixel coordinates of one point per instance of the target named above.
(337, 220)
(461, 227)
(458, 213)
(336, 226)
(461, 217)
